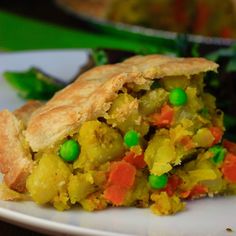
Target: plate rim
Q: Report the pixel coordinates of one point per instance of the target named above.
(52, 226)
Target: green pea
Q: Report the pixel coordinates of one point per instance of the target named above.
(178, 97)
(158, 182)
(69, 150)
(219, 154)
(131, 138)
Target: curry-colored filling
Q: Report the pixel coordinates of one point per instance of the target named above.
(152, 147)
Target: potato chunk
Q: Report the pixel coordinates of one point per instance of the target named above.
(172, 82)
(99, 144)
(49, 178)
(160, 153)
(79, 187)
(124, 114)
(139, 194)
(82, 185)
(152, 101)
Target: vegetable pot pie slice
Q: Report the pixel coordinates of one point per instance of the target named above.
(138, 133)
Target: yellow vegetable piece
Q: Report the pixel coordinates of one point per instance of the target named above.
(195, 102)
(139, 194)
(49, 178)
(201, 171)
(124, 114)
(61, 201)
(203, 138)
(202, 174)
(152, 101)
(94, 202)
(197, 81)
(79, 187)
(209, 102)
(179, 132)
(160, 153)
(172, 82)
(99, 144)
(165, 205)
(160, 168)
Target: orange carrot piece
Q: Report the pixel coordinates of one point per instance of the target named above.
(217, 133)
(197, 191)
(135, 160)
(187, 142)
(115, 194)
(122, 174)
(120, 180)
(230, 146)
(229, 168)
(164, 118)
(173, 182)
(185, 194)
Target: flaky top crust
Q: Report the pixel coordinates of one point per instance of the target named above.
(24, 113)
(90, 96)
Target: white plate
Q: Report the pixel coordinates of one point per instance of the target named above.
(202, 217)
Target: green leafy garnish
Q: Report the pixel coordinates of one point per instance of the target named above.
(99, 57)
(33, 84)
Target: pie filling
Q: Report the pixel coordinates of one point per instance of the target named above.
(157, 146)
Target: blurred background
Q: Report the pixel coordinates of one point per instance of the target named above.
(115, 29)
(139, 24)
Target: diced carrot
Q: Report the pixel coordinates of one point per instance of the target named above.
(115, 194)
(185, 194)
(173, 182)
(135, 160)
(187, 142)
(229, 168)
(230, 146)
(121, 179)
(164, 118)
(122, 174)
(217, 133)
(197, 191)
